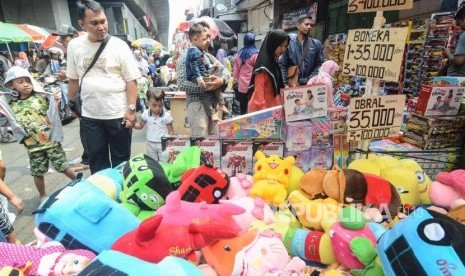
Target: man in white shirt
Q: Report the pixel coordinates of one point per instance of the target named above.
(108, 90)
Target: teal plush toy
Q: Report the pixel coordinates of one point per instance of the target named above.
(145, 186)
(190, 158)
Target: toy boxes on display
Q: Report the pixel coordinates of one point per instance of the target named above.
(337, 120)
(435, 125)
(411, 104)
(305, 102)
(211, 148)
(263, 124)
(320, 132)
(449, 81)
(432, 141)
(439, 100)
(302, 159)
(341, 150)
(298, 135)
(321, 157)
(236, 157)
(171, 146)
(268, 147)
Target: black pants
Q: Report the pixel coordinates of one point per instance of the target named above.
(243, 101)
(85, 156)
(108, 143)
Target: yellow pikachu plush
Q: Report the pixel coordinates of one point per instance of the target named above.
(272, 175)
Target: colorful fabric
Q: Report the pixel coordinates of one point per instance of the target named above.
(39, 160)
(31, 114)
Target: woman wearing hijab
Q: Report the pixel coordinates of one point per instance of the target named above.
(267, 80)
(244, 63)
(325, 76)
(221, 56)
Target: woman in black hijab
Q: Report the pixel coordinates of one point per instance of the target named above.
(267, 79)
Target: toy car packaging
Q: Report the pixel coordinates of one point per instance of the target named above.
(79, 213)
(424, 243)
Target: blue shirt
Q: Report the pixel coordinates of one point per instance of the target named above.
(195, 64)
(458, 71)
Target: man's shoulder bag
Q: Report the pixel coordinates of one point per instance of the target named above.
(75, 104)
(293, 71)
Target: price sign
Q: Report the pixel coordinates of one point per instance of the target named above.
(375, 53)
(375, 117)
(378, 5)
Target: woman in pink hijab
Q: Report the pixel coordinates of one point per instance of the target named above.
(325, 76)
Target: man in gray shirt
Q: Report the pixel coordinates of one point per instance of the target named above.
(457, 60)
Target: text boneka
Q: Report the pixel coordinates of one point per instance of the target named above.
(372, 36)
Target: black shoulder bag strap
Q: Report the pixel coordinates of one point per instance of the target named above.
(94, 60)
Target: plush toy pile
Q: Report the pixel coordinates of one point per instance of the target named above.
(381, 216)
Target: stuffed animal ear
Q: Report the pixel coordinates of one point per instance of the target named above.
(334, 184)
(148, 228)
(259, 155)
(290, 160)
(173, 201)
(312, 182)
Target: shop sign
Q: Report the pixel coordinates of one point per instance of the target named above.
(290, 18)
(375, 53)
(375, 117)
(355, 6)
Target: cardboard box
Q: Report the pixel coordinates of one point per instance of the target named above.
(341, 150)
(236, 157)
(320, 132)
(268, 147)
(449, 81)
(297, 135)
(305, 102)
(302, 159)
(435, 125)
(171, 146)
(432, 141)
(321, 157)
(211, 148)
(263, 124)
(338, 119)
(439, 100)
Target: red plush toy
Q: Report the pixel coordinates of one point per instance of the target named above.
(205, 183)
(153, 241)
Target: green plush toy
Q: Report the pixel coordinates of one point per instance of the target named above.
(365, 252)
(188, 159)
(145, 186)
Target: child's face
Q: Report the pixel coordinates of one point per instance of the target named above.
(23, 85)
(70, 264)
(155, 106)
(201, 41)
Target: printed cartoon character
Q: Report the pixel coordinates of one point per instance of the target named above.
(272, 177)
(209, 156)
(236, 163)
(319, 139)
(299, 141)
(50, 259)
(172, 155)
(145, 186)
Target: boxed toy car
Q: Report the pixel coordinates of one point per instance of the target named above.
(305, 102)
(171, 146)
(439, 100)
(449, 81)
(236, 157)
(435, 125)
(298, 135)
(211, 148)
(268, 147)
(261, 124)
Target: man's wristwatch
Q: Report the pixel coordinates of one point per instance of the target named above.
(132, 107)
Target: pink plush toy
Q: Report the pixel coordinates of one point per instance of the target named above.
(50, 259)
(152, 241)
(180, 212)
(256, 209)
(448, 188)
(239, 186)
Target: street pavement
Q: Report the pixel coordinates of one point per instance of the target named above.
(19, 179)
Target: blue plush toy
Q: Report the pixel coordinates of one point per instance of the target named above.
(424, 243)
(115, 263)
(81, 216)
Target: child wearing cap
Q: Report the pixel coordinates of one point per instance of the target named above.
(36, 123)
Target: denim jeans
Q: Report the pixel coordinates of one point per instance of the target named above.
(108, 142)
